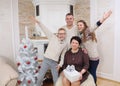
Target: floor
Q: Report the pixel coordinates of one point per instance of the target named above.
(106, 82)
(48, 82)
(100, 82)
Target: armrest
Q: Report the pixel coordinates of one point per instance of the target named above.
(7, 73)
(12, 82)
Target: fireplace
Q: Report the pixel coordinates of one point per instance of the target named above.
(40, 46)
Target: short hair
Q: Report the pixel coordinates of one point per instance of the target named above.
(77, 38)
(68, 14)
(61, 29)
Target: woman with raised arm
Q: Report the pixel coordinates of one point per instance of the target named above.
(89, 41)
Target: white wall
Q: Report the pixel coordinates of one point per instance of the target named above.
(53, 16)
(9, 36)
(52, 13)
(117, 42)
(107, 36)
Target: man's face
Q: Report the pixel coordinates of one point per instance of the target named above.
(69, 20)
(61, 34)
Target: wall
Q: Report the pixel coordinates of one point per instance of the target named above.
(117, 42)
(107, 36)
(82, 10)
(26, 9)
(9, 30)
(52, 13)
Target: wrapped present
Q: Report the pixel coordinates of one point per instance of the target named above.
(71, 74)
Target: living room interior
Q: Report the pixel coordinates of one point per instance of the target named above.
(15, 17)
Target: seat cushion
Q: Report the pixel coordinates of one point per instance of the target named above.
(89, 81)
(7, 73)
(12, 82)
(2, 60)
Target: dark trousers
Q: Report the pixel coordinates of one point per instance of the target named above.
(92, 68)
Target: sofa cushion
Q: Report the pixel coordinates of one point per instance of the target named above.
(7, 73)
(2, 60)
(12, 82)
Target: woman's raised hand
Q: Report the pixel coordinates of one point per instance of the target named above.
(107, 14)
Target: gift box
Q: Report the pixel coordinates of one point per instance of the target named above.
(71, 74)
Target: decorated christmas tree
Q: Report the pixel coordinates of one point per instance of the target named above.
(27, 63)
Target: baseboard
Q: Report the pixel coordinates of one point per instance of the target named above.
(107, 76)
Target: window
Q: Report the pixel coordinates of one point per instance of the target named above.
(37, 10)
(71, 9)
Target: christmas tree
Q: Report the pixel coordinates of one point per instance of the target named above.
(27, 63)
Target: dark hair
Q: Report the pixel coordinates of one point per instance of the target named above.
(77, 39)
(68, 14)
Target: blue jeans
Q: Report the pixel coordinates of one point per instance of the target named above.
(47, 64)
(92, 68)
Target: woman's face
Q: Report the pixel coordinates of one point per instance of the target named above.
(80, 26)
(74, 44)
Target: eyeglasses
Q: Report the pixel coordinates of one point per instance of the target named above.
(61, 33)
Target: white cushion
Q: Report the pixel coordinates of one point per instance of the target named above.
(7, 73)
(89, 81)
(12, 82)
(2, 60)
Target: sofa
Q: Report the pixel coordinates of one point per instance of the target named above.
(8, 76)
(88, 82)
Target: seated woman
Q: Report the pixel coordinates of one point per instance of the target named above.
(75, 56)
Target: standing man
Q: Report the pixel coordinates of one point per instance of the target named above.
(57, 45)
(71, 29)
